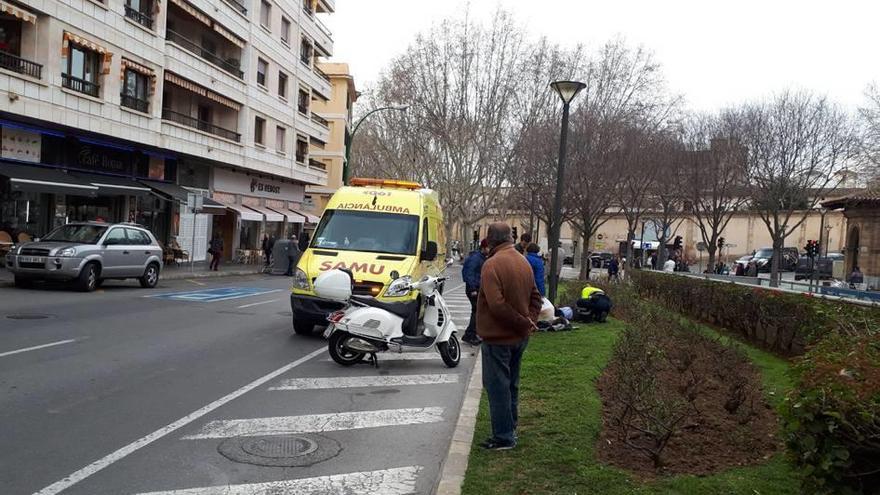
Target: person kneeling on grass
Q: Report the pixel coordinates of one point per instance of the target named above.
(593, 305)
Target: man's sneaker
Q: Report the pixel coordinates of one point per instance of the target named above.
(492, 444)
(474, 341)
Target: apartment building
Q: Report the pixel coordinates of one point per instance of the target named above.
(119, 109)
(337, 113)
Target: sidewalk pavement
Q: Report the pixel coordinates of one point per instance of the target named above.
(182, 272)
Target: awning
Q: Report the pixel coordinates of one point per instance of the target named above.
(168, 190)
(222, 31)
(201, 91)
(18, 12)
(271, 215)
(45, 180)
(191, 10)
(308, 216)
(211, 207)
(245, 213)
(291, 216)
(109, 185)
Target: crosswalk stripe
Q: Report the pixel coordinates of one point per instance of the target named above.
(396, 481)
(317, 423)
(365, 381)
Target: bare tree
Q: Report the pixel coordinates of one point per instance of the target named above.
(795, 143)
(715, 175)
(870, 114)
(665, 208)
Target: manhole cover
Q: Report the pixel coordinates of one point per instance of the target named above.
(27, 317)
(280, 450)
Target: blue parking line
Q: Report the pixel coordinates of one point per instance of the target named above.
(215, 295)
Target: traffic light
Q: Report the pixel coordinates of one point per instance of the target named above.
(812, 248)
(476, 235)
(515, 236)
(677, 243)
(721, 243)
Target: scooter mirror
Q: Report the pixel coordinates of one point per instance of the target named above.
(394, 275)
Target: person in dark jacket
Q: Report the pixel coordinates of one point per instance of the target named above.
(303, 242)
(613, 268)
(524, 241)
(470, 273)
(264, 246)
(537, 262)
(507, 311)
(216, 251)
(292, 255)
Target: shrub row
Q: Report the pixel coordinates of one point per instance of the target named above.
(832, 415)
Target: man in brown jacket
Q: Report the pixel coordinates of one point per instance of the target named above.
(507, 309)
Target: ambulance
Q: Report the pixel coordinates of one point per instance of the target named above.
(379, 230)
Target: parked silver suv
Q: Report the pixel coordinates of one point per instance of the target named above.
(88, 253)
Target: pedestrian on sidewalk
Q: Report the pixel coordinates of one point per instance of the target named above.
(264, 246)
(534, 258)
(507, 311)
(524, 241)
(613, 269)
(292, 254)
(470, 273)
(216, 252)
(303, 242)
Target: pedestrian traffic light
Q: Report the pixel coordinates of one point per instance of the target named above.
(677, 243)
(721, 243)
(812, 248)
(476, 235)
(515, 236)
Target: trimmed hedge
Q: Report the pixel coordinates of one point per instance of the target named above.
(780, 322)
(832, 415)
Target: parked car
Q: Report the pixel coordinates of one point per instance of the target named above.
(87, 254)
(824, 266)
(600, 260)
(744, 261)
(764, 257)
(568, 260)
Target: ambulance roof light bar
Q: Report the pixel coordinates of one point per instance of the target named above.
(403, 184)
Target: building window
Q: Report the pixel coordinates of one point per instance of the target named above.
(302, 149)
(307, 7)
(280, 138)
(259, 130)
(10, 35)
(81, 71)
(285, 30)
(265, 14)
(303, 101)
(282, 84)
(262, 70)
(305, 52)
(140, 11)
(135, 91)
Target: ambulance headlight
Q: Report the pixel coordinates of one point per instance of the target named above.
(300, 280)
(399, 287)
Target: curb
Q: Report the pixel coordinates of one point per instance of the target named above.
(206, 274)
(456, 462)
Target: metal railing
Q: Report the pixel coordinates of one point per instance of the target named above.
(308, 11)
(134, 102)
(324, 29)
(303, 109)
(305, 60)
(315, 164)
(201, 125)
(15, 63)
(237, 5)
(323, 75)
(321, 121)
(80, 85)
(142, 18)
(191, 46)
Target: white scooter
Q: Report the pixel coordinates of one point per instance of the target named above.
(367, 326)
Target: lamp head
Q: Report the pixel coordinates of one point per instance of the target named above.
(402, 108)
(567, 90)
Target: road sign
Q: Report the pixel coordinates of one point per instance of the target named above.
(701, 246)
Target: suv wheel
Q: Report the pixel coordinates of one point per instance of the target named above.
(150, 277)
(88, 277)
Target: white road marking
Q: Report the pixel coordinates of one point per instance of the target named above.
(107, 460)
(317, 423)
(256, 304)
(405, 356)
(365, 381)
(34, 348)
(396, 481)
(196, 282)
(450, 291)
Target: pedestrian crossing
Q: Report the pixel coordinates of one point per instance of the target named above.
(384, 480)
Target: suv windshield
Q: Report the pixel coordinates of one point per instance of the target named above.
(83, 234)
(764, 253)
(367, 231)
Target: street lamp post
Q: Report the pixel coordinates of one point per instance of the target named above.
(567, 90)
(345, 166)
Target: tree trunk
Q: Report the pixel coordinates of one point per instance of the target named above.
(661, 253)
(585, 259)
(711, 263)
(774, 263)
(630, 237)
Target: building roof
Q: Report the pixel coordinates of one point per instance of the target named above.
(861, 197)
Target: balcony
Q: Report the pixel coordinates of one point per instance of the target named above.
(142, 18)
(232, 66)
(317, 165)
(237, 5)
(14, 63)
(323, 75)
(201, 125)
(134, 103)
(321, 121)
(80, 85)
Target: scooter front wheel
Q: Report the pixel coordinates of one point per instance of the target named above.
(450, 351)
(339, 353)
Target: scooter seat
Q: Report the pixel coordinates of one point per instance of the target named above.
(401, 309)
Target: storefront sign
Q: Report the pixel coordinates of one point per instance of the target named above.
(21, 145)
(250, 185)
(95, 158)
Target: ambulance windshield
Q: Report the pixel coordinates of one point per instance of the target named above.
(373, 232)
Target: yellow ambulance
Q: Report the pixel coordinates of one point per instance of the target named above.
(377, 229)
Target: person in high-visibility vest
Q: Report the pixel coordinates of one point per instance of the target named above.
(593, 305)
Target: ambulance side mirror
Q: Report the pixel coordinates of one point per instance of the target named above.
(430, 252)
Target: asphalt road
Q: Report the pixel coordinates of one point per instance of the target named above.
(123, 392)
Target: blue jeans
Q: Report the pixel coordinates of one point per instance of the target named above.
(501, 380)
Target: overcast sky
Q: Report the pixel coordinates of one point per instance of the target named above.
(714, 53)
